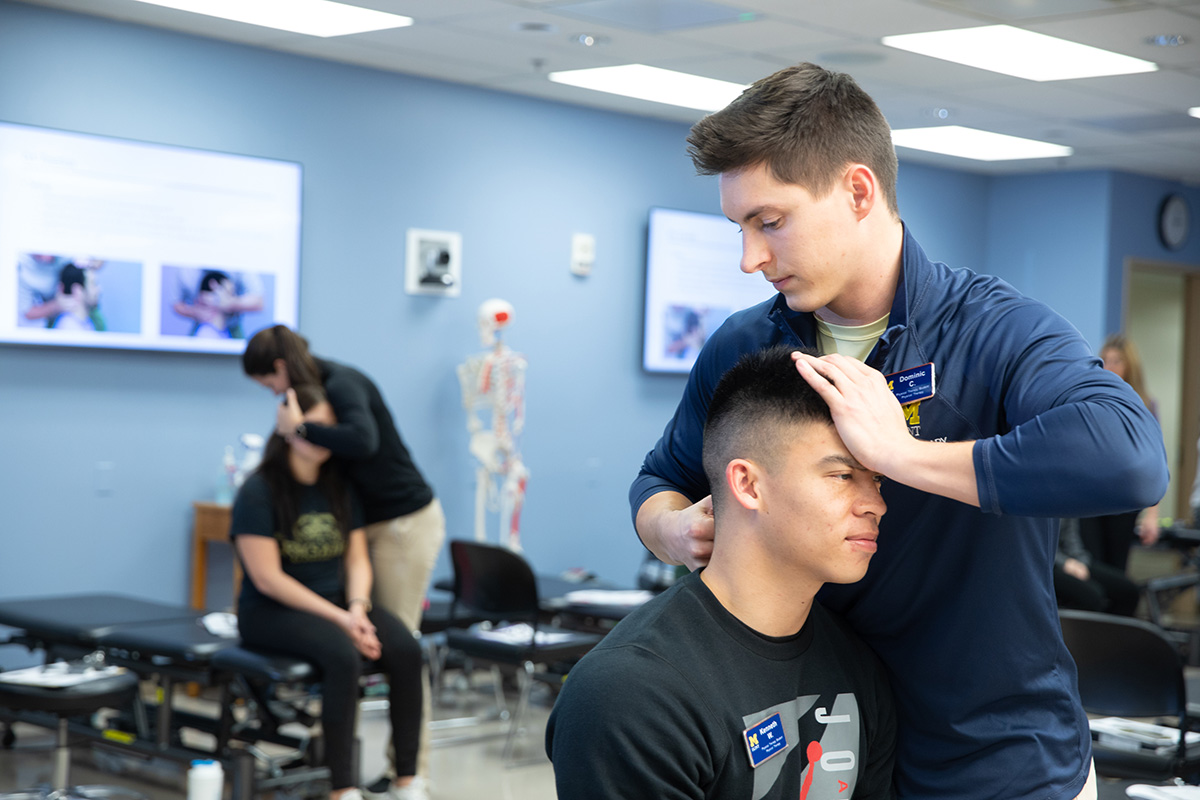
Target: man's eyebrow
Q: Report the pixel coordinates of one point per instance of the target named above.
(751, 215)
(838, 458)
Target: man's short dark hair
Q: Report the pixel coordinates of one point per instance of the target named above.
(806, 124)
(212, 277)
(753, 404)
(71, 276)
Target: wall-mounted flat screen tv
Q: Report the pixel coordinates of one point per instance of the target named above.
(692, 284)
(115, 243)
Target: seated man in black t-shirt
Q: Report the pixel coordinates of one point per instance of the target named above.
(734, 683)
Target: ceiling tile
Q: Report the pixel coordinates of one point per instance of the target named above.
(479, 42)
(1025, 10)
(651, 16)
(1165, 90)
(754, 36)
(1127, 34)
(867, 19)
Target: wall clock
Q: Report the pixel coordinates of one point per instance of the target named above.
(1174, 219)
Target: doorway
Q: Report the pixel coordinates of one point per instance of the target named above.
(1162, 316)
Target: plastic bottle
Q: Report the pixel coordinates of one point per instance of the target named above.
(252, 449)
(226, 481)
(205, 780)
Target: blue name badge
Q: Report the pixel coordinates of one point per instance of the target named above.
(765, 739)
(914, 384)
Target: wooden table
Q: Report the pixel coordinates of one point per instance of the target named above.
(211, 525)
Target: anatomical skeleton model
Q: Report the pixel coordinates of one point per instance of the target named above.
(493, 384)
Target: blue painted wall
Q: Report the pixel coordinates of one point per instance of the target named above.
(1047, 236)
(382, 153)
(1134, 232)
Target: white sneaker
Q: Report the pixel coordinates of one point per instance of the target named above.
(417, 790)
(378, 789)
(352, 794)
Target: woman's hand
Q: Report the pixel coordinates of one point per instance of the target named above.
(362, 632)
(288, 415)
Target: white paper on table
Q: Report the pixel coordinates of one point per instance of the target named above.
(1127, 734)
(57, 675)
(608, 597)
(521, 633)
(221, 623)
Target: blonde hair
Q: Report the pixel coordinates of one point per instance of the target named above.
(1134, 375)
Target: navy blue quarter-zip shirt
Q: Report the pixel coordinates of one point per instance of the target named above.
(958, 601)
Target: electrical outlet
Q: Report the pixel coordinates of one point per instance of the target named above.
(583, 253)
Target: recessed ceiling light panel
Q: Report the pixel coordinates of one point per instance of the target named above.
(1020, 53)
(955, 140)
(654, 84)
(311, 17)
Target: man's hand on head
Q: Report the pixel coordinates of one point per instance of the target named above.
(871, 423)
(866, 413)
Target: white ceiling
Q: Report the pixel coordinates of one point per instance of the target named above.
(1134, 123)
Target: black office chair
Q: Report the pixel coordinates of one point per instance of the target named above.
(498, 583)
(1129, 668)
(62, 703)
(1162, 590)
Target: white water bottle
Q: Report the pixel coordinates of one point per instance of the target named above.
(205, 781)
(225, 482)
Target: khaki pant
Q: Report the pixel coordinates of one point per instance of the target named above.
(1089, 788)
(403, 553)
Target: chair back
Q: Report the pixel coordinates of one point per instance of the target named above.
(494, 581)
(1127, 667)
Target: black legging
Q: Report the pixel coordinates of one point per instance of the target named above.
(1107, 590)
(1109, 538)
(296, 633)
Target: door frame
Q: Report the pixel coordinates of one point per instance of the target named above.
(1189, 400)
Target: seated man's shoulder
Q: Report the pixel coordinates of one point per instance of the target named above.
(838, 636)
(651, 651)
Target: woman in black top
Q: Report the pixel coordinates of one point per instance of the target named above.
(297, 528)
(402, 519)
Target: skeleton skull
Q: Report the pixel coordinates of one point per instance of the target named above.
(494, 314)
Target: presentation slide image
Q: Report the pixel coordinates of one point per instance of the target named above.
(131, 208)
(687, 328)
(78, 293)
(211, 302)
(693, 284)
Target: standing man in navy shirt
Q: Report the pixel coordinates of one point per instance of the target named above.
(984, 409)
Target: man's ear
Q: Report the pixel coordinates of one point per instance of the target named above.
(744, 479)
(863, 186)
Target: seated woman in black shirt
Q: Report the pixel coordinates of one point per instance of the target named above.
(297, 528)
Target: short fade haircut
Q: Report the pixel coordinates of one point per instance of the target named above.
(806, 124)
(210, 277)
(71, 276)
(754, 401)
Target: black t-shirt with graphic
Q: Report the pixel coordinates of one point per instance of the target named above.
(312, 552)
(682, 701)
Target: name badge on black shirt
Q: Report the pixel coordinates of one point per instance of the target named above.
(765, 739)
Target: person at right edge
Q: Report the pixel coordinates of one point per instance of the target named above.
(984, 409)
